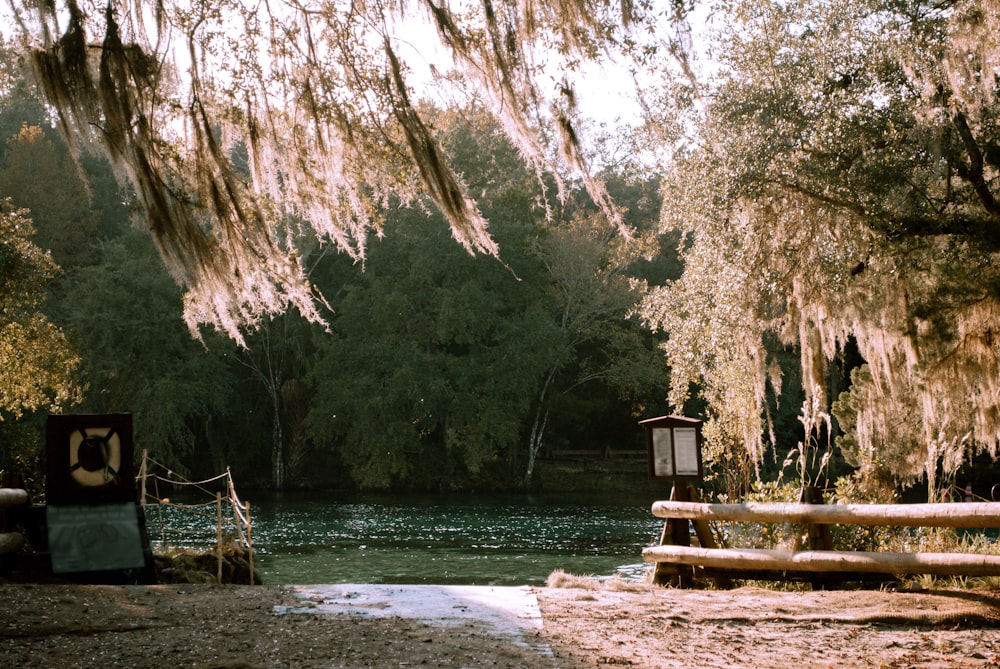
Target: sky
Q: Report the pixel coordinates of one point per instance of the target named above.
(605, 91)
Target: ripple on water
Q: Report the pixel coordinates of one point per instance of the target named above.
(310, 538)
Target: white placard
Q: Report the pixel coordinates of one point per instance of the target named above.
(663, 459)
(686, 451)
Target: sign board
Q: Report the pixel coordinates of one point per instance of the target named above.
(95, 538)
(95, 529)
(674, 446)
(89, 459)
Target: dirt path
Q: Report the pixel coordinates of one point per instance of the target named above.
(593, 626)
(751, 627)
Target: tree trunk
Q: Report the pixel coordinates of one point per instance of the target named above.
(534, 445)
(277, 439)
(537, 437)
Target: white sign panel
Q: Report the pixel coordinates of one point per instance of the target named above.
(686, 451)
(663, 459)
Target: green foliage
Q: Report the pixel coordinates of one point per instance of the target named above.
(431, 365)
(835, 192)
(124, 313)
(33, 166)
(440, 370)
(37, 364)
(767, 535)
(899, 457)
(444, 369)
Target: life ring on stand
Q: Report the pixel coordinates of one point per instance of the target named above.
(95, 456)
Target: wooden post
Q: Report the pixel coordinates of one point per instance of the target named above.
(237, 508)
(11, 497)
(961, 514)
(676, 532)
(10, 542)
(249, 544)
(142, 480)
(759, 559)
(218, 531)
(818, 538)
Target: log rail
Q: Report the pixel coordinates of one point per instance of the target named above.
(784, 563)
(960, 514)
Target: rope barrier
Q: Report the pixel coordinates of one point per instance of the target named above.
(239, 522)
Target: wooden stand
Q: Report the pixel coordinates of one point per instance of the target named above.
(677, 532)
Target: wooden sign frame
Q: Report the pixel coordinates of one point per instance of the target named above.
(673, 444)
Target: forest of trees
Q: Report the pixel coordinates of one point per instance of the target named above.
(289, 257)
(433, 370)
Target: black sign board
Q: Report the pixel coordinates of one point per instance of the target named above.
(89, 459)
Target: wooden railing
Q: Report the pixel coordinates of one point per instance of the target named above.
(818, 557)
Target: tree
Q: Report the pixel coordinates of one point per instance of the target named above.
(322, 94)
(428, 372)
(277, 355)
(447, 369)
(37, 364)
(20, 104)
(34, 174)
(72, 209)
(841, 191)
(591, 298)
(139, 357)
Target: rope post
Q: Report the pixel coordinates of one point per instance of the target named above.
(142, 479)
(249, 544)
(237, 507)
(218, 530)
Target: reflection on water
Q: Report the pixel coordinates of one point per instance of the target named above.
(319, 538)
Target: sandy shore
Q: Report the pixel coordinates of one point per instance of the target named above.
(593, 625)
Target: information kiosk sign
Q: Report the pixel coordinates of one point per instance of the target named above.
(674, 446)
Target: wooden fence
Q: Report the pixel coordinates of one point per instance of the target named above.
(678, 561)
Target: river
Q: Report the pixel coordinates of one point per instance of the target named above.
(311, 538)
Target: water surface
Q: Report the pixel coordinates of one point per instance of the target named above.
(313, 538)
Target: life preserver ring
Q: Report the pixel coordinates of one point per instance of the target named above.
(95, 456)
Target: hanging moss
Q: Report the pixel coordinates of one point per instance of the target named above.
(320, 98)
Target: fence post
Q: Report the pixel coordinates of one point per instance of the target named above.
(237, 506)
(818, 538)
(10, 542)
(249, 544)
(142, 480)
(218, 531)
(704, 533)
